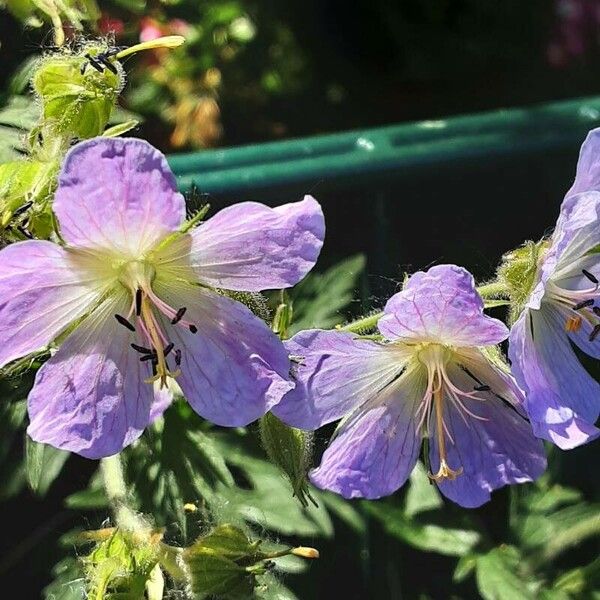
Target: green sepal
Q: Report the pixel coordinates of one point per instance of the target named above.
(290, 449)
(220, 563)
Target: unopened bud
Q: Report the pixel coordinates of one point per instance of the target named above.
(305, 552)
(290, 449)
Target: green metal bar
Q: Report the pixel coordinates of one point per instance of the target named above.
(395, 151)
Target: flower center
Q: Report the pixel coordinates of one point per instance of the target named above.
(580, 304)
(137, 277)
(439, 392)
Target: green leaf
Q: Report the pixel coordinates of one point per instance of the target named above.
(17, 117)
(464, 567)
(268, 500)
(43, 465)
(175, 463)
(68, 583)
(229, 541)
(551, 535)
(498, 576)
(344, 511)
(422, 495)
(212, 574)
(443, 538)
(319, 299)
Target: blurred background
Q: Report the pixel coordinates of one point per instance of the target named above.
(268, 70)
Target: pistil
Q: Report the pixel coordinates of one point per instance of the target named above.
(444, 471)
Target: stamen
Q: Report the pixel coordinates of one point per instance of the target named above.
(138, 302)
(444, 472)
(482, 388)
(178, 315)
(585, 304)
(594, 333)
(193, 328)
(148, 357)
(167, 349)
(123, 321)
(141, 349)
(573, 324)
(590, 276)
(178, 357)
(596, 311)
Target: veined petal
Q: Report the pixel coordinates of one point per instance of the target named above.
(42, 290)
(234, 369)
(90, 397)
(376, 449)
(441, 305)
(576, 233)
(494, 450)
(251, 247)
(335, 372)
(117, 194)
(588, 166)
(563, 401)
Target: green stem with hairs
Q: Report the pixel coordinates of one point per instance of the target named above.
(116, 492)
(495, 289)
(363, 324)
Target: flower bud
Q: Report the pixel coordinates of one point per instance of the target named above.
(78, 92)
(290, 449)
(517, 274)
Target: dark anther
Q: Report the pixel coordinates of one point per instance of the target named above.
(482, 388)
(104, 60)
(167, 349)
(23, 208)
(178, 357)
(141, 349)
(125, 322)
(24, 232)
(178, 316)
(584, 304)
(596, 310)
(138, 302)
(193, 329)
(594, 333)
(154, 365)
(98, 66)
(591, 277)
(148, 357)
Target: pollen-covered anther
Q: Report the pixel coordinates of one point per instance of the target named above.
(573, 324)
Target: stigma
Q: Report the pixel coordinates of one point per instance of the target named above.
(440, 396)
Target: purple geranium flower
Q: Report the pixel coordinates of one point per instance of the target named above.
(563, 400)
(135, 298)
(432, 379)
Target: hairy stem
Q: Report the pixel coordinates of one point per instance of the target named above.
(116, 492)
(493, 290)
(364, 324)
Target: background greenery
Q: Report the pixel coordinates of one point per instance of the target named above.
(262, 70)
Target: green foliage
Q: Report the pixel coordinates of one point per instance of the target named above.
(43, 465)
(319, 299)
(18, 115)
